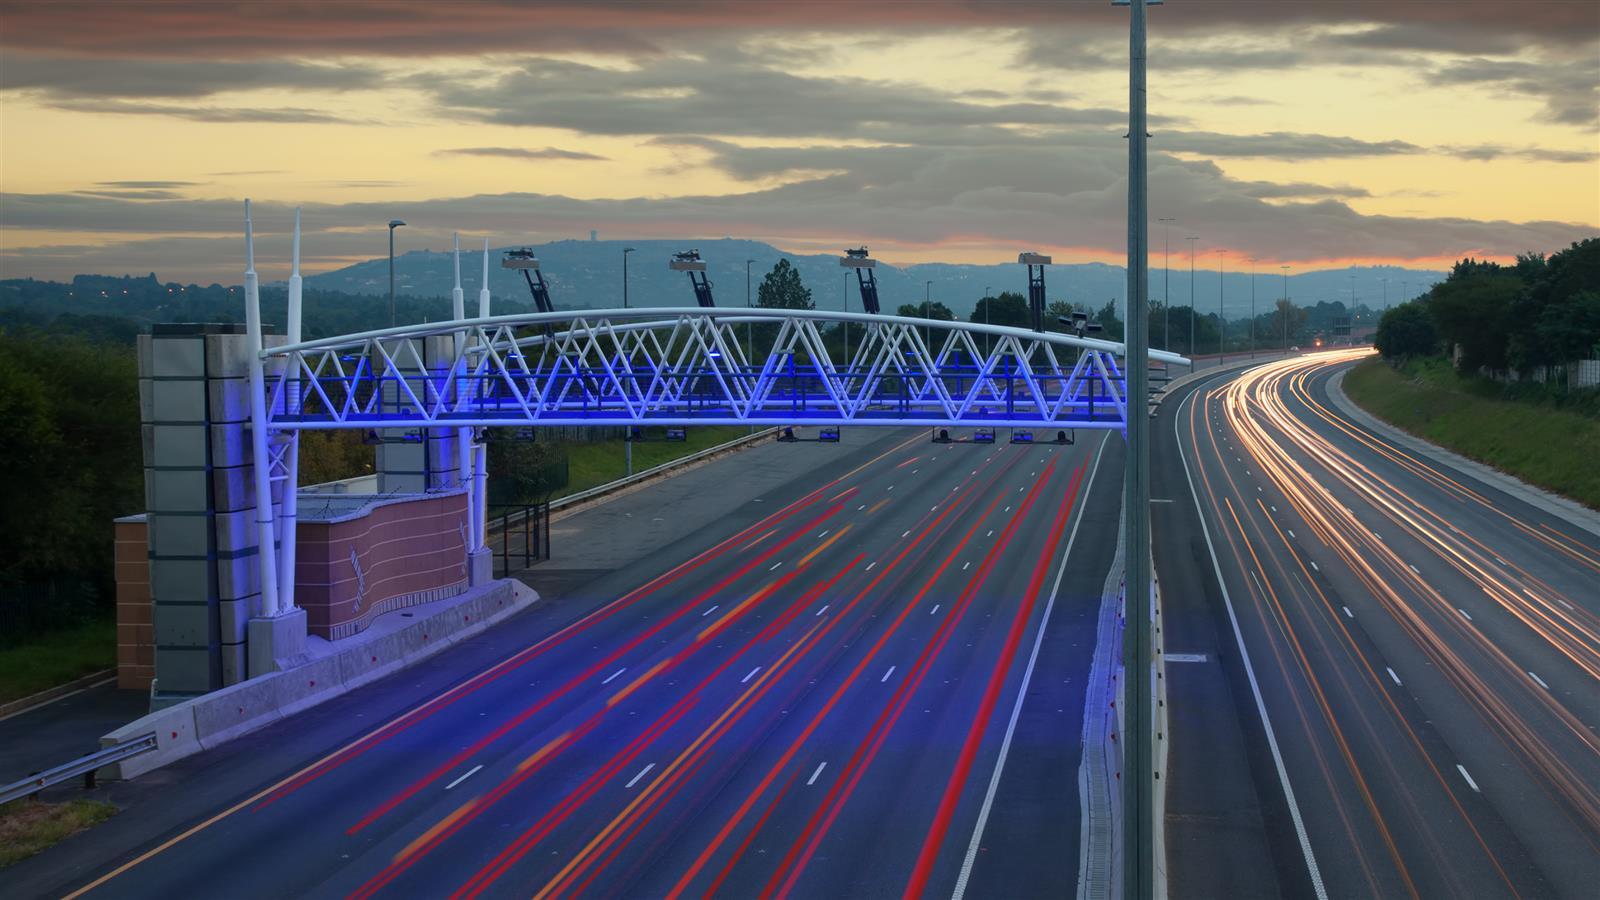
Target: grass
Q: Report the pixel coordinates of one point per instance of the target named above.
(30, 826)
(595, 463)
(1544, 440)
(57, 657)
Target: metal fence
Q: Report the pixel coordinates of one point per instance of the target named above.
(30, 609)
(524, 535)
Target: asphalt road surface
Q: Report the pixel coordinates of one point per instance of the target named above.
(811, 699)
(1406, 659)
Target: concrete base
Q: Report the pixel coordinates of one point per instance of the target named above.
(480, 567)
(277, 643)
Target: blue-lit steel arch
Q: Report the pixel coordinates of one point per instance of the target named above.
(686, 366)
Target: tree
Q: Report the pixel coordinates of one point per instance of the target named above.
(1474, 312)
(1054, 313)
(936, 311)
(1110, 323)
(1010, 308)
(1287, 326)
(782, 289)
(1407, 330)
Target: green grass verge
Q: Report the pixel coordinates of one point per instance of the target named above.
(1541, 443)
(28, 826)
(57, 657)
(593, 464)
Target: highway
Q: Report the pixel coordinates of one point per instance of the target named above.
(1399, 693)
(813, 700)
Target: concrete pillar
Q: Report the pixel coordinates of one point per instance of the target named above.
(200, 499)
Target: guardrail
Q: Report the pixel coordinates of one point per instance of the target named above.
(83, 765)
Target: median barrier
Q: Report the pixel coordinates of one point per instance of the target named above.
(207, 721)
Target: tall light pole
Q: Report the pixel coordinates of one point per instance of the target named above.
(1191, 241)
(625, 252)
(1222, 318)
(986, 304)
(1166, 283)
(1252, 307)
(749, 332)
(1138, 759)
(393, 224)
(844, 304)
(927, 331)
(1284, 310)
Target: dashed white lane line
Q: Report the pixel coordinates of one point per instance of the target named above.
(906, 533)
(891, 487)
(1347, 613)
(1314, 566)
(775, 566)
(990, 534)
(886, 675)
(1539, 680)
(824, 533)
(1008, 509)
(751, 675)
(1501, 561)
(915, 471)
(1020, 487)
(933, 508)
(965, 565)
(1377, 535)
(469, 773)
(642, 773)
(934, 610)
(861, 507)
(1464, 614)
(824, 608)
(710, 611)
(815, 772)
(1392, 676)
(613, 676)
(1290, 533)
(871, 565)
(1470, 783)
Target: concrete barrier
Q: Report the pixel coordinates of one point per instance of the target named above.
(213, 719)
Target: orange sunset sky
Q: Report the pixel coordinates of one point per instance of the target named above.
(1312, 133)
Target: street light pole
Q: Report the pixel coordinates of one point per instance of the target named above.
(749, 333)
(1191, 241)
(627, 436)
(844, 304)
(1166, 283)
(1284, 310)
(1252, 307)
(1222, 320)
(986, 304)
(393, 224)
(625, 252)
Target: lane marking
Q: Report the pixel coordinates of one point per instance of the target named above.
(710, 611)
(1538, 679)
(1395, 678)
(1244, 656)
(470, 772)
(1160, 500)
(1466, 615)
(934, 610)
(751, 675)
(824, 533)
(871, 564)
(906, 533)
(990, 534)
(818, 771)
(642, 772)
(775, 566)
(1501, 561)
(824, 608)
(1008, 509)
(886, 675)
(1470, 783)
(1185, 657)
(966, 565)
(613, 676)
(1314, 566)
(1413, 569)
(1022, 689)
(861, 507)
(1288, 532)
(1377, 535)
(1347, 613)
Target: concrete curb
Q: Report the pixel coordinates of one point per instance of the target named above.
(213, 719)
(1570, 511)
(49, 695)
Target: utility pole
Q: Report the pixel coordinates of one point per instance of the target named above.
(625, 252)
(927, 332)
(1284, 310)
(393, 224)
(986, 304)
(749, 327)
(1222, 320)
(1138, 761)
(1166, 283)
(1191, 241)
(627, 435)
(1252, 307)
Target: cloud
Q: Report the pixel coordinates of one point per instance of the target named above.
(147, 184)
(520, 153)
(133, 195)
(1570, 91)
(203, 113)
(1279, 145)
(1488, 152)
(64, 77)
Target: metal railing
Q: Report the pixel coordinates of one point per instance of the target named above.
(533, 521)
(83, 765)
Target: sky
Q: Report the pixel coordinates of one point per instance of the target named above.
(1313, 133)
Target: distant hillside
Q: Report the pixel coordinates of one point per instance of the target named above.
(588, 274)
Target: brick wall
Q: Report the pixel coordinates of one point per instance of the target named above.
(136, 646)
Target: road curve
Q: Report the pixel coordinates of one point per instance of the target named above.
(1415, 654)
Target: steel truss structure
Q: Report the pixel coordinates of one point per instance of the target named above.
(686, 366)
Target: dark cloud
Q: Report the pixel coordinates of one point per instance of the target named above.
(133, 195)
(520, 153)
(202, 113)
(65, 77)
(1278, 145)
(1489, 152)
(147, 184)
(1570, 90)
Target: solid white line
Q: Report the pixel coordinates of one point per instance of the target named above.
(612, 677)
(824, 608)
(1392, 675)
(751, 675)
(1465, 614)
(470, 772)
(1022, 692)
(818, 771)
(934, 610)
(775, 566)
(642, 773)
(1470, 783)
(886, 675)
(1347, 613)
(1538, 679)
(1244, 656)
(710, 611)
